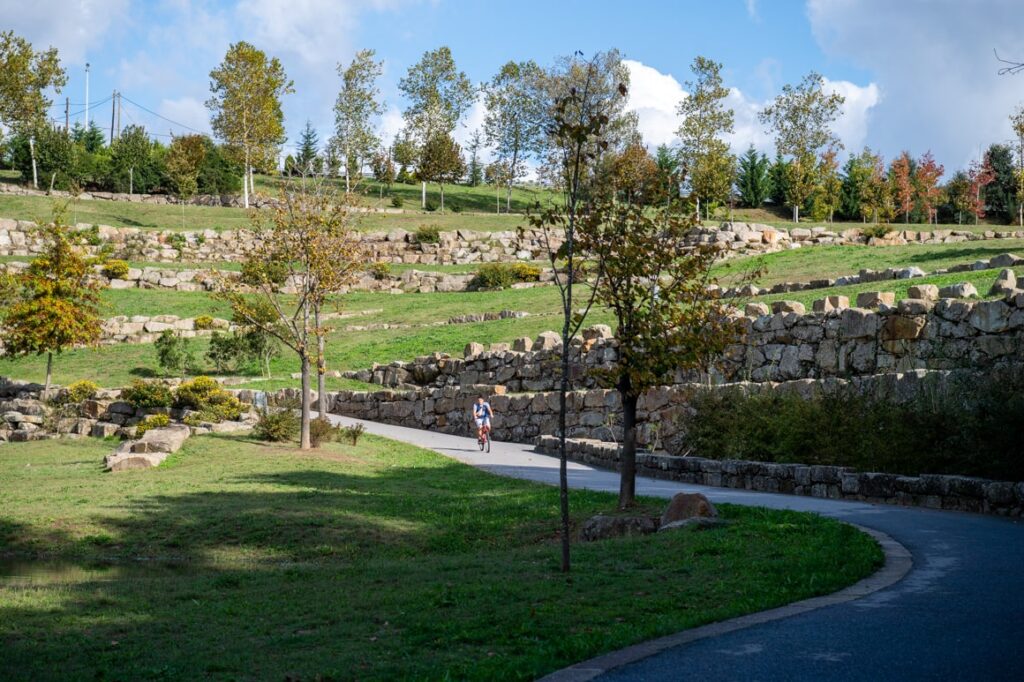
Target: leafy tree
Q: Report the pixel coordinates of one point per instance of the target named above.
(25, 76)
(405, 153)
(667, 317)
(801, 118)
(669, 171)
(754, 179)
(979, 176)
(1017, 121)
(926, 180)
(174, 354)
(309, 234)
(635, 176)
(441, 162)
(247, 89)
(54, 155)
(357, 107)
(902, 171)
(475, 170)
(513, 124)
(131, 161)
(706, 120)
(383, 168)
(579, 124)
(218, 173)
(184, 160)
(56, 305)
(958, 192)
(90, 139)
(308, 154)
(778, 176)
(438, 94)
(1001, 194)
(876, 198)
(828, 194)
(856, 173)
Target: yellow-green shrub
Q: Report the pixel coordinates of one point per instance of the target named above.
(153, 421)
(82, 390)
(115, 269)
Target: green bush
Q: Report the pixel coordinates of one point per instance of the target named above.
(876, 231)
(320, 431)
(174, 353)
(204, 322)
(431, 206)
(504, 275)
(208, 399)
(380, 269)
(276, 426)
(972, 426)
(82, 390)
(115, 269)
(142, 395)
(255, 273)
(396, 201)
(177, 240)
(427, 234)
(352, 433)
(153, 421)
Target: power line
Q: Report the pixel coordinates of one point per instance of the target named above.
(150, 111)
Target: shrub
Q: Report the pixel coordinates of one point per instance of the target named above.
(876, 231)
(504, 275)
(208, 399)
(204, 322)
(153, 421)
(142, 395)
(352, 433)
(82, 390)
(276, 426)
(226, 351)
(177, 240)
(455, 208)
(396, 201)
(115, 269)
(254, 273)
(972, 426)
(380, 269)
(431, 206)
(174, 353)
(321, 430)
(427, 234)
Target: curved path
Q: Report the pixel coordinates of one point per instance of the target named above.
(957, 615)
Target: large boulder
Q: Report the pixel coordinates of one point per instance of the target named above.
(548, 341)
(603, 527)
(685, 506)
(150, 450)
(1005, 283)
(961, 290)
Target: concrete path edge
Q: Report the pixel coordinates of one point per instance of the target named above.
(898, 562)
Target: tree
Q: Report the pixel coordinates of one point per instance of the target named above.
(56, 305)
(383, 168)
(131, 156)
(901, 171)
(801, 117)
(356, 110)
(704, 153)
(668, 317)
(1017, 121)
(309, 236)
(876, 198)
(958, 190)
(405, 154)
(979, 176)
(438, 94)
(635, 175)
(578, 125)
(856, 173)
(669, 171)
(441, 162)
(25, 75)
(926, 179)
(173, 353)
(1001, 193)
(754, 179)
(828, 194)
(475, 171)
(184, 159)
(308, 153)
(778, 176)
(513, 124)
(45, 152)
(247, 89)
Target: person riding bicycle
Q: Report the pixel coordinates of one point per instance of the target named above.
(482, 413)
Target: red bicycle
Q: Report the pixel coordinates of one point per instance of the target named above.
(483, 438)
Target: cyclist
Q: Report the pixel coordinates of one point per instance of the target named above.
(482, 414)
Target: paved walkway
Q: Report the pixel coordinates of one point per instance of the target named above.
(958, 614)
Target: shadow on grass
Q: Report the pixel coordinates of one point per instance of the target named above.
(965, 254)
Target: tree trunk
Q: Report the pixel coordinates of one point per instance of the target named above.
(49, 373)
(442, 196)
(321, 369)
(304, 431)
(245, 181)
(698, 209)
(32, 150)
(796, 213)
(563, 392)
(423, 195)
(627, 477)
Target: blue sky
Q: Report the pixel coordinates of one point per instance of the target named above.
(917, 74)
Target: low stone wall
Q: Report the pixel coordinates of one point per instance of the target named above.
(934, 491)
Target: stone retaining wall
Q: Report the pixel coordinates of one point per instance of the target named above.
(960, 493)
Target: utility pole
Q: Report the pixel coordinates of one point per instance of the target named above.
(113, 110)
(67, 114)
(119, 114)
(85, 114)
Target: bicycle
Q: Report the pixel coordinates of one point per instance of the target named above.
(484, 439)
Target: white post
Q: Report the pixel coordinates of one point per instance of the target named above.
(32, 149)
(423, 195)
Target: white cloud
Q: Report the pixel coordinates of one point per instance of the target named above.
(852, 126)
(74, 28)
(938, 76)
(654, 96)
(187, 111)
(752, 10)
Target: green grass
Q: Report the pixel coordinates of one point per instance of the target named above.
(239, 560)
(782, 217)
(805, 264)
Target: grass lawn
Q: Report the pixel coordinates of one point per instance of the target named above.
(805, 264)
(240, 560)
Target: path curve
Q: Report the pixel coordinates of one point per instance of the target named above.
(957, 615)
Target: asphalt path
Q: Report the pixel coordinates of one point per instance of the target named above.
(958, 614)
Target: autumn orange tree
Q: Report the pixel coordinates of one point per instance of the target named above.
(979, 176)
(668, 315)
(902, 173)
(926, 179)
(308, 238)
(55, 302)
